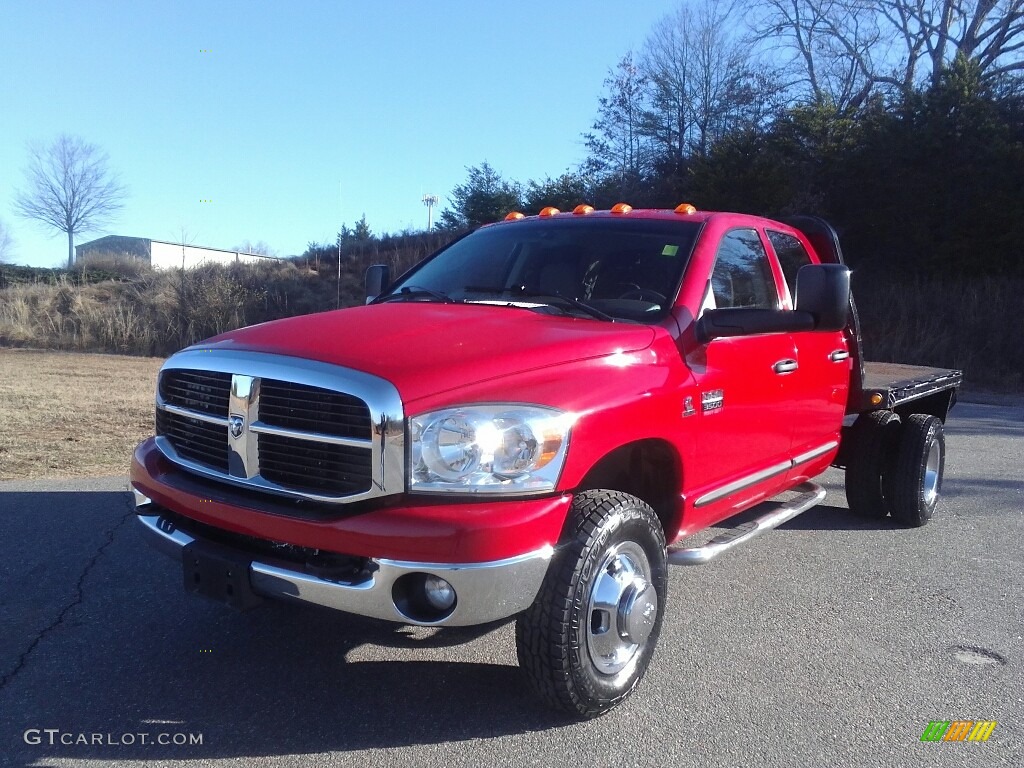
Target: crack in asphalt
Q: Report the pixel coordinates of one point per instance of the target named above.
(79, 597)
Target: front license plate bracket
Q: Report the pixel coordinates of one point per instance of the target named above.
(218, 573)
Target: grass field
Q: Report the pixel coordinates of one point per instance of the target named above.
(68, 414)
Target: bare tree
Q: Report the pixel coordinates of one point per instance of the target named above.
(730, 87)
(617, 143)
(259, 247)
(6, 243)
(833, 45)
(69, 188)
(667, 62)
(705, 80)
(987, 33)
(846, 50)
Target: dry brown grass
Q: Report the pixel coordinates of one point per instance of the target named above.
(68, 414)
(973, 325)
(158, 313)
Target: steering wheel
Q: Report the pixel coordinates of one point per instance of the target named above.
(645, 294)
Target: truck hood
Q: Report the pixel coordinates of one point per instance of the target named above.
(425, 349)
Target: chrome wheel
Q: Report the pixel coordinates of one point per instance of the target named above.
(622, 609)
(932, 473)
(913, 479)
(588, 638)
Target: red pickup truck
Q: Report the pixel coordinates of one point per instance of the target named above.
(527, 423)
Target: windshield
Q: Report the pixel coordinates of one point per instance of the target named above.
(602, 268)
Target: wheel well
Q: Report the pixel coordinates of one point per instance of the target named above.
(647, 469)
(938, 404)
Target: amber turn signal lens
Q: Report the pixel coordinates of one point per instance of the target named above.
(549, 211)
(515, 216)
(583, 210)
(685, 208)
(876, 399)
(622, 208)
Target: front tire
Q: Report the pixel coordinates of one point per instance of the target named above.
(589, 636)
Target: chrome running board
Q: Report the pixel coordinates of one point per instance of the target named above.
(810, 495)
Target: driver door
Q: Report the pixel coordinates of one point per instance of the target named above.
(744, 417)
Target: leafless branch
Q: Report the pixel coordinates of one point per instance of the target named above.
(851, 47)
(69, 188)
(6, 243)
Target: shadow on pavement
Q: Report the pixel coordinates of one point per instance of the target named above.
(128, 652)
(825, 517)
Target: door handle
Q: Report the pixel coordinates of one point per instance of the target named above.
(785, 366)
(839, 355)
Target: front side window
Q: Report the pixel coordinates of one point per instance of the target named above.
(743, 276)
(621, 269)
(792, 255)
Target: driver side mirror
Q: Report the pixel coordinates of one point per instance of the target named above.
(823, 290)
(378, 280)
(822, 304)
(747, 321)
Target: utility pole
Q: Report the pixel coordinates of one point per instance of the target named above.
(338, 300)
(184, 338)
(430, 201)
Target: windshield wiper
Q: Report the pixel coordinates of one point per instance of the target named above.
(417, 292)
(582, 306)
(574, 303)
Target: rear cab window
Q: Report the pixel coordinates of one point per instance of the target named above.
(792, 255)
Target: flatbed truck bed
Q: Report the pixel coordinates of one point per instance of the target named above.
(890, 386)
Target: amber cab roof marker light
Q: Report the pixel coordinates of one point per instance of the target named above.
(685, 208)
(549, 211)
(622, 208)
(515, 216)
(583, 210)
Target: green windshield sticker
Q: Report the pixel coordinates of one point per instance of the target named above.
(670, 250)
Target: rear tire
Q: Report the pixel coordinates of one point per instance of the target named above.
(589, 636)
(914, 480)
(873, 440)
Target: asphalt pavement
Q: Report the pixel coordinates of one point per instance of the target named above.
(832, 641)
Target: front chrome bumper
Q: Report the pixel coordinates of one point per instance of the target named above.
(485, 591)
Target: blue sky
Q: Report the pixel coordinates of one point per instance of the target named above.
(302, 115)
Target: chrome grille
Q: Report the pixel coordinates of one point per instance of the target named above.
(194, 439)
(203, 391)
(305, 464)
(313, 409)
(292, 427)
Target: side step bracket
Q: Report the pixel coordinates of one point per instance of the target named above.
(810, 494)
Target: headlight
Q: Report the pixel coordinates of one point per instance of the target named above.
(488, 449)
